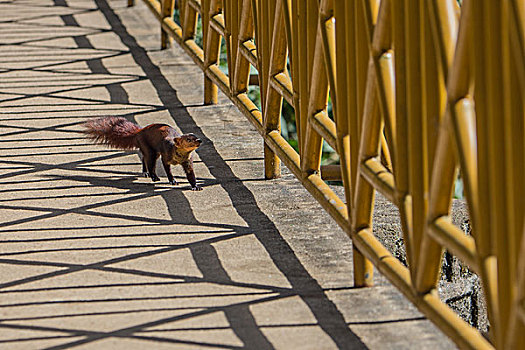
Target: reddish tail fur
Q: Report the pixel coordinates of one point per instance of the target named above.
(116, 132)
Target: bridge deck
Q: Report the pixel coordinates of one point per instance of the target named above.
(93, 255)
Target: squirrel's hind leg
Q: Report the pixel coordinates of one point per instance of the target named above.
(144, 168)
(150, 158)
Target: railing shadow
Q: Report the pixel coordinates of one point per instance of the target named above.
(238, 314)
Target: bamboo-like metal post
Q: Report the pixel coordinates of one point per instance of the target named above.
(516, 328)
(242, 68)
(416, 125)
(444, 169)
(273, 100)
(167, 8)
(188, 17)
(401, 168)
(318, 99)
(211, 43)
(268, 11)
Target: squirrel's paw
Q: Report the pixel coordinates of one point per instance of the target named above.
(154, 178)
(174, 182)
(196, 188)
(145, 174)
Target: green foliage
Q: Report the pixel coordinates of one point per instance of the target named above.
(458, 188)
(198, 28)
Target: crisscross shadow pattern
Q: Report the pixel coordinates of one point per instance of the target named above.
(56, 72)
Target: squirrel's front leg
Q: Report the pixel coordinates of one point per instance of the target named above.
(190, 175)
(167, 169)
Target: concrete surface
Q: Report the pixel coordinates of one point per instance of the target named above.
(95, 257)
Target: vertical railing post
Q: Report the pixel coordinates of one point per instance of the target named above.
(444, 171)
(362, 84)
(516, 333)
(242, 68)
(273, 100)
(167, 7)
(211, 45)
(188, 19)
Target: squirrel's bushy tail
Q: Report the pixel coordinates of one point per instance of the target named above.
(115, 132)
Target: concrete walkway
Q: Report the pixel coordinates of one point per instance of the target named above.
(94, 256)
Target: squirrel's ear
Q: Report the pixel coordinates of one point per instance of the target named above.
(177, 141)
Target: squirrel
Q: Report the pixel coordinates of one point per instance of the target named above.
(152, 140)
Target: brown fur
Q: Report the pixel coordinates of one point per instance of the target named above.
(153, 141)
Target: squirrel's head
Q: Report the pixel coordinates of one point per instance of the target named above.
(187, 142)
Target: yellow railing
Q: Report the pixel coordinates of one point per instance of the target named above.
(420, 89)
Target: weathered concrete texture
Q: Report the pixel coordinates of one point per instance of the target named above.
(94, 256)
